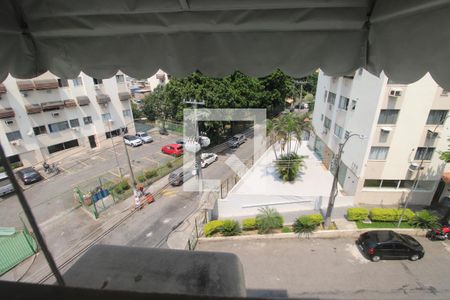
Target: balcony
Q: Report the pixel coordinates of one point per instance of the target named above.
(70, 103)
(103, 99)
(46, 84)
(52, 105)
(124, 96)
(83, 100)
(2, 88)
(33, 108)
(7, 112)
(25, 85)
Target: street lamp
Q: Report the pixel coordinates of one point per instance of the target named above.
(334, 190)
(420, 167)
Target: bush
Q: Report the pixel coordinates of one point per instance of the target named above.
(390, 214)
(304, 225)
(249, 224)
(286, 229)
(230, 228)
(316, 218)
(121, 187)
(425, 219)
(150, 174)
(268, 219)
(357, 214)
(169, 165)
(288, 166)
(212, 227)
(141, 178)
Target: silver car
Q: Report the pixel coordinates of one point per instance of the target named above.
(144, 137)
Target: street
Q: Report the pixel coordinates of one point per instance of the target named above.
(334, 268)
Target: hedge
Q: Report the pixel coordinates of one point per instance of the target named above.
(213, 227)
(316, 218)
(249, 224)
(230, 228)
(390, 214)
(357, 214)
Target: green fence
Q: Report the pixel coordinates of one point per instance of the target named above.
(16, 248)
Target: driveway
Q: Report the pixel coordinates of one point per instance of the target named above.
(334, 268)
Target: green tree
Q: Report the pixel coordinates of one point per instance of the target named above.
(158, 105)
(137, 113)
(445, 155)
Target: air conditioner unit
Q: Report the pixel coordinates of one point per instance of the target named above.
(15, 143)
(395, 93)
(414, 167)
(96, 87)
(55, 114)
(25, 94)
(9, 122)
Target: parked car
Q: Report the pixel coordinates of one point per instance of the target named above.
(173, 149)
(144, 137)
(180, 141)
(237, 140)
(387, 244)
(132, 140)
(207, 159)
(179, 176)
(163, 131)
(6, 186)
(29, 175)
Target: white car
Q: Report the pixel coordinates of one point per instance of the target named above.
(144, 137)
(132, 140)
(208, 158)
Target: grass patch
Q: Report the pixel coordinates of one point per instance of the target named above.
(362, 225)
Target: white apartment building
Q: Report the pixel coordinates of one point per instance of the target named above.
(403, 126)
(46, 115)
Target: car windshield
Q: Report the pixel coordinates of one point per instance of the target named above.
(235, 138)
(143, 134)
(29, 174)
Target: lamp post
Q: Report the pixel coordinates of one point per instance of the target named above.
(420, 167)
(334, 189)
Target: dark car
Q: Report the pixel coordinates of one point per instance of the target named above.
(387, 244)
(163, 131)
(180, 141)
(29, 175)
(179, 176)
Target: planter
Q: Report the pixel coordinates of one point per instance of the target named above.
(87, 200)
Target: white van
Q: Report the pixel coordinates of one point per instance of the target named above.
(6, 186)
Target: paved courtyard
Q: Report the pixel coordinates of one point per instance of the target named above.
(334, 268)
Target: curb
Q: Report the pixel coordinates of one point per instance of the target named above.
(322, 234)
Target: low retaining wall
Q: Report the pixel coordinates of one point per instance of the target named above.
(321, 234)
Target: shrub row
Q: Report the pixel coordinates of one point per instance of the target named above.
(225, 227)
(378, 214)
(307, 224)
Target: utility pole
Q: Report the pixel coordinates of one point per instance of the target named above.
(198, 154)
(334, 189)
(114, 147)
(420, 167)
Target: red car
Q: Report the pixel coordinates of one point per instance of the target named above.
(173, 149)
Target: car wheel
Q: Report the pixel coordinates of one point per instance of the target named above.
(376, 258)
(414, 257)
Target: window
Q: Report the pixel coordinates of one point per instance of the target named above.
(353, 106)
(384, 134)
(431, 138)
(59, 126)
(425, 153)
(74, 123)
(331, 98)
(343, 103)
(338, 131)
(127, 113)
(375, 183)
(106, 117)
(39, 130)
(389, 184)
(62, 146)
(97, 81)
(437, 117)
(87, 120)
(14, 135)
(378, 153)
(325, 96)
(78, 81)
(63, 82)
(120, 78)
(327, 123)
(406, 184)
(426, 185)
(321, 117)
(388, 116)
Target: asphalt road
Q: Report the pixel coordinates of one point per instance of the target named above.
(54, 196)
(150, 227)
(334, 268)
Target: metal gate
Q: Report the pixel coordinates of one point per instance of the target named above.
(15, 248)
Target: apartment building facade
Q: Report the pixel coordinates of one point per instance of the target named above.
(403, 127)
(46, 115)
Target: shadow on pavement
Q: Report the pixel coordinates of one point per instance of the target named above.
(262, 293)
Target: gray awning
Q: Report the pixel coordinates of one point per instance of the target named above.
(33, 108)
(70, 103)
(7, 112)
(124, 96)
(83, 100)
(103, 99)
(2, 88)
(405, 39)
(25, 85)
